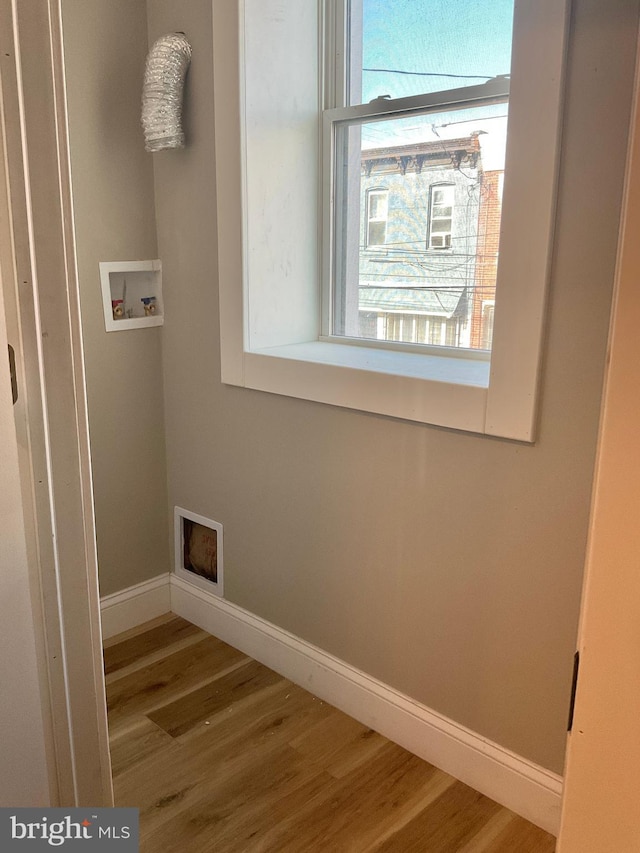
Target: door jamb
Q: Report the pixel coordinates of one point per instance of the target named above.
(37, 246)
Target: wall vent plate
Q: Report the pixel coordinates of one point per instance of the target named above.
(198, 550)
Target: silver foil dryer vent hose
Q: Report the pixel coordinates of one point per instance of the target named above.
(167, 65)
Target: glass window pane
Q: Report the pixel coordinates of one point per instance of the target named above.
(419, 271)
(377, 233)
(377, 205)
(410, 47)
(442, 196)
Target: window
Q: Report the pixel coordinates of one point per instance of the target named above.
(487, 324)
(418, 329)
(285, 331)
(427, 146)
(441, 216)
(377, 212)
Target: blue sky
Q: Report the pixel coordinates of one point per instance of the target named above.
(444, 36)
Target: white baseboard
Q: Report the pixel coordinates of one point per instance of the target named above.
(524, 787)
(135, 605)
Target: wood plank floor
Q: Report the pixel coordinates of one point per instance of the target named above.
(221, 754)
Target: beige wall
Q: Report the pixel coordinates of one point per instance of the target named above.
(105, 50)
(448, 565)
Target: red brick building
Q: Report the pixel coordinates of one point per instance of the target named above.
(484, 291)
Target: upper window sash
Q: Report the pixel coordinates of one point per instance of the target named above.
(494, 91)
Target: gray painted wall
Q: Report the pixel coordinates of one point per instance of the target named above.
(448, 565)
(112, 175)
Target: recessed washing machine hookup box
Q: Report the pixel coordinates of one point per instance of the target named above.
(131, 294)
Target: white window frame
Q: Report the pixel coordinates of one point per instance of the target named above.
(270, 306)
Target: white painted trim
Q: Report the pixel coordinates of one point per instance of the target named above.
(228, 26)
(57, 500)
(518, 784)
(134, 606)
(289, 371)
(526, 230)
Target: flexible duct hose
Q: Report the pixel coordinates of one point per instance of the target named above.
(166, 68)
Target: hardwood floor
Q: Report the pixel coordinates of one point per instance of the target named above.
(221, 754)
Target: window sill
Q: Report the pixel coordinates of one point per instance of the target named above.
(439, 390)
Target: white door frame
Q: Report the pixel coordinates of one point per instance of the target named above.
(43, 322)
(24, 754)
(602, 778)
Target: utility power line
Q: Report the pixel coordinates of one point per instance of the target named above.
(430, 74)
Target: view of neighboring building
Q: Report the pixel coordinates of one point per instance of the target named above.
(430, 221)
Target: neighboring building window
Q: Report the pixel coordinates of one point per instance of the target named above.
(368, 325)
(441, 216)
(410, 328)
(486, 330)
(377, 214)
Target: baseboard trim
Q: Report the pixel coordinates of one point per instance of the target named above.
(135, 605)
(520, 785)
